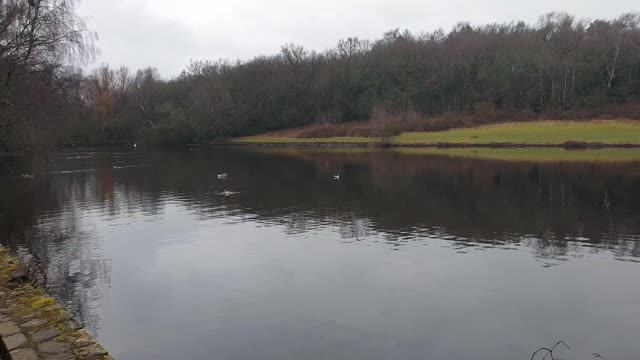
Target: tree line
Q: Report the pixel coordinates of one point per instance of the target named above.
(559, 65)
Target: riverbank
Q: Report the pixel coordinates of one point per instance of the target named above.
(34, 326)
(568, 134)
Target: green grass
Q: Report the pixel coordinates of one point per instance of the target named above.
(530, 154)
(524, 133)
(534, 133)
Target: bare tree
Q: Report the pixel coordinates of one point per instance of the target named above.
(108, 92)
(385, 124)
(562, 35)
(37, 37)
(213, 109)
(147, 97)
(293, 55)
(351, 50)
(605, 39)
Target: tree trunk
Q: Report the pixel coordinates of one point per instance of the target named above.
(573, 85)
(564, 89)
(541, 93)
(553, 87)
(611, 65)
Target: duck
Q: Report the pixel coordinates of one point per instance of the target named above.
(223, 176)
(26, 176)
(336, 177)
(135, 145)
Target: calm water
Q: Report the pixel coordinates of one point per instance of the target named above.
(406, 257)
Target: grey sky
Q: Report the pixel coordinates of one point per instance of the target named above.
(167, 33)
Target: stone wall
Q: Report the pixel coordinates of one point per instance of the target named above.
(34, 326)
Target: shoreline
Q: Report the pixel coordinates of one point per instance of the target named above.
(546, 153)
(320, 144)
(35, 326)
(549, 134)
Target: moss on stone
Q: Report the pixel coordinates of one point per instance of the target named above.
(32, 300)
(42, 302)
(25, 302)
(7, 266)
(67, 336)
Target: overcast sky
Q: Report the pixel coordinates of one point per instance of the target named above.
(166, 34)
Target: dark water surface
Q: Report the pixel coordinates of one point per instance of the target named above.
(405, 257)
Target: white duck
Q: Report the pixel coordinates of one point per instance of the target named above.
(336, 177)
(223, 176)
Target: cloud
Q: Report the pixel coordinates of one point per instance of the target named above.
(168, 33)
(131, 35)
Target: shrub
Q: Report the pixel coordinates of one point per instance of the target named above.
(386, 124)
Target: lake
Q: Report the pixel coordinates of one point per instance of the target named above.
(406, 256)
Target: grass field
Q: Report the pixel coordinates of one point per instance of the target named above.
(523, 133)
(534, 133)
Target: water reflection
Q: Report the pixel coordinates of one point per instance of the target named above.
(102, 225)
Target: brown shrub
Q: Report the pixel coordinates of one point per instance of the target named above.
(484, 109)
(387, 122)
(575, 144)
(362, 129)
(629, 110)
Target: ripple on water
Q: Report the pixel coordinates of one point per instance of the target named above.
(137, 220)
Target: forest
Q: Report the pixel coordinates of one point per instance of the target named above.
(560, 67)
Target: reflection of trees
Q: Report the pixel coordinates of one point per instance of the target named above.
(549, 246)
(45, 224)
(296, 223)
(486, 201)
(557, 210)
(352, 227)
(75, 273)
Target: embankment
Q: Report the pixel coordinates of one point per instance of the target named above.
(34, 326)
(566, 134)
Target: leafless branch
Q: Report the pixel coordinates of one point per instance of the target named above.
(548, 352)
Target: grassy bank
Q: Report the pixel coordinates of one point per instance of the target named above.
(536, 133)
